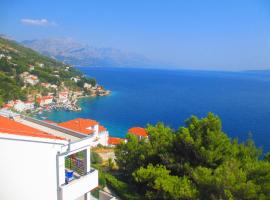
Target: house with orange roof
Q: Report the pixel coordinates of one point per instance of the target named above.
(45, 100)
(113, 141)
(92, 128)
(8, 106)
(29, 78)
(44, 161)
(139, 132)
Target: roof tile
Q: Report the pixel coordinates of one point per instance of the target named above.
(12, 127)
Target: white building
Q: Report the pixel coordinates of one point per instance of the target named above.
(40, 65)
(87, 86)
(19, 106)
(36, 162)
(2, 56)
(29, 78)
(45, 100)
(75, 79)
(54, 86)
(114, 141)
(29, 105)
(96, 132)
(139, 132)
(62, 97)
(31, 67)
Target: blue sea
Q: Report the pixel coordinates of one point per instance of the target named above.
(147, 96)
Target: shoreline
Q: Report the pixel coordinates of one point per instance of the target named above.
(87, 103)
(71, 106)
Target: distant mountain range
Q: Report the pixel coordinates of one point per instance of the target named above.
(72, 52)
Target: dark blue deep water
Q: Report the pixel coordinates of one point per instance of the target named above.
(142, 96)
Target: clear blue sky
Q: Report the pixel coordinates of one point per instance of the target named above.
(202, 34)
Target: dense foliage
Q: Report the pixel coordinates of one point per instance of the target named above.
(122, 189)
(18, 59)
(197, 161)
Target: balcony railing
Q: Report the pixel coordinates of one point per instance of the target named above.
(79, 186)
(75, 166)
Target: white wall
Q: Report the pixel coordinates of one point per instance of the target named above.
(103, 138)
(28, 170)
(96, 130)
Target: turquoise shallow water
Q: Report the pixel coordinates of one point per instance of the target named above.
(141, 96)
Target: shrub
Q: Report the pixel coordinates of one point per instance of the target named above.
(95, 158)
(121, 188)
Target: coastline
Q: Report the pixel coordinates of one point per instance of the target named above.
(72, 106)
(88, 105)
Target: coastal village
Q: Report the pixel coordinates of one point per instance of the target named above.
(57, 97)
(60, 99)
(32, 83)
(46, 96)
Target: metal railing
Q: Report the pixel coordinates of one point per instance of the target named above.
(76, 163)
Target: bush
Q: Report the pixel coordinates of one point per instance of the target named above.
(121, 188)
(111, 164)
(95, 158)
(101, 179)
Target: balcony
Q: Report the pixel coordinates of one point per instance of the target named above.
(79, 185)
(77, 178)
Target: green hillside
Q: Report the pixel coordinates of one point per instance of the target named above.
(16, 59)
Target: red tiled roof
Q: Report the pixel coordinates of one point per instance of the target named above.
(115, 140)
(33, 77)
(39, 99)
(7, 105)
(47, 97)
(79, 125)
(139, 131)
(12, 127)
(101, 129)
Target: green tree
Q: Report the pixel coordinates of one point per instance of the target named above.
(202, 142)
(228, 181)
(199, 159)
(131, 155)
(1, 101)
(161, 185)
(267, 157)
